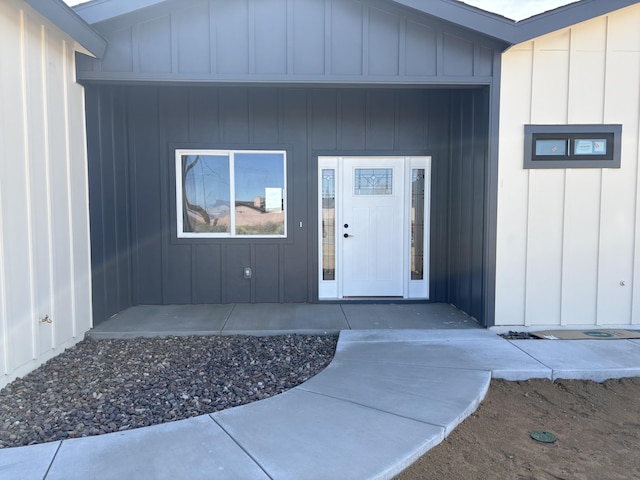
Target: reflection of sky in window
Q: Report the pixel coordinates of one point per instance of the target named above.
(257, 171)
(207, 183)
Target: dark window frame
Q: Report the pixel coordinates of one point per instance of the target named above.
(570, 133)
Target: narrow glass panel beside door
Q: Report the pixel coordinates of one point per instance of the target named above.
(417, 224)
(328, 224)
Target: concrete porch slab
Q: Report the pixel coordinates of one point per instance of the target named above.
(438, 396)
(596, 360)
(299, 435)
(464, 349)
(406, 315)
(166, 320)
(283, 318)
(277, 319)
(194, 448)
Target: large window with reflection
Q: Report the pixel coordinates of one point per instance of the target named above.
(222, 193)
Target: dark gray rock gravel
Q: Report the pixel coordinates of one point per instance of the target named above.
(101, 386)
(519, 336)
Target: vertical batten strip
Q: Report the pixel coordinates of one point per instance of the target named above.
(47, 182)
(563, 239)
(3, 293)
(328, 18)
(68, 160)
(251, 41)
(565, 181)
(635, 283)
(135, 48)
(213, 52)
(402, 47)
(439, 54)
(366, 47)
(25, 85)
(530, 178)
(602, 179)
(4, 333)
(290, 38)
(173, 29)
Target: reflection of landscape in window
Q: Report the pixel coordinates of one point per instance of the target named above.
(259, 193)
(205, 194)
(259, 187)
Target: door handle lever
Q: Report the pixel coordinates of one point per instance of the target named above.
(346, 235)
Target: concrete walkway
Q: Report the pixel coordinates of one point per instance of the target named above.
(387, 397)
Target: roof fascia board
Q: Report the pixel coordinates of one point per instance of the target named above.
(472, 18)
(66, 20)
(100, 10)
(566, 16)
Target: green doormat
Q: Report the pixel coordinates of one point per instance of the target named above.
(586, 334)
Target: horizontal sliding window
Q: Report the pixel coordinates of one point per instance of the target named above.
(572, 146)
(231, 193)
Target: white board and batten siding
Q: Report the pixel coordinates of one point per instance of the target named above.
(568, 240)
(44, 217)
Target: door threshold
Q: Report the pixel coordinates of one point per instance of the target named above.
(383, 297)
(374, 300)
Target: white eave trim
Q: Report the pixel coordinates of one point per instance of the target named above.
(100, 10)
(69, 22)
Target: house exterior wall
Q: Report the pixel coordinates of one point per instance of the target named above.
(568, 240)
(133, 132)
(44, 221)
(300, 41)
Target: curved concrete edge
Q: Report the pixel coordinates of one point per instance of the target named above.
(355, 419)
(438, 396)
(386, 399)
(304, 435)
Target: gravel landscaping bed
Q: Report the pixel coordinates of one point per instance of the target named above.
(519, 336)
(102, 386)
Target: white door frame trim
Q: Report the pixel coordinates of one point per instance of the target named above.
(331, 289)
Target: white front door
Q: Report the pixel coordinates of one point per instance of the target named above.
(373, 227)
(371, 230)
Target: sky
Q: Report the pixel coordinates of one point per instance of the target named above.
(514, 9)
(518, 9)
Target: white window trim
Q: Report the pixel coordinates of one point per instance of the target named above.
(179, 153)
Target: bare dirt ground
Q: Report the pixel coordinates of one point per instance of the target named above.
(597, 428)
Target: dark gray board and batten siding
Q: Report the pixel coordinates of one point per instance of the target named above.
(322, 77)
(325, 41)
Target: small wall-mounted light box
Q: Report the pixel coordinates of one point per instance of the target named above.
(572, 146)
(248, 273)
